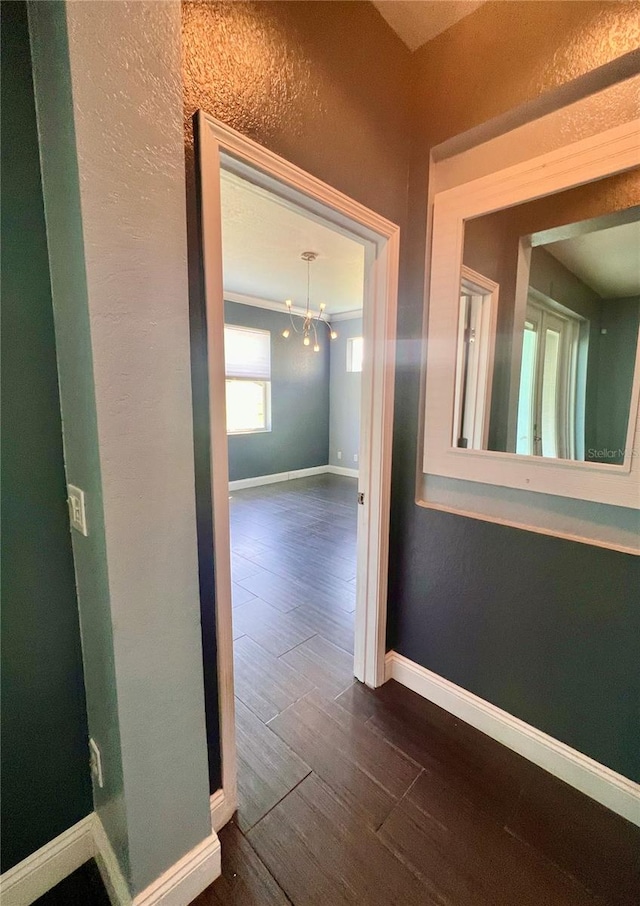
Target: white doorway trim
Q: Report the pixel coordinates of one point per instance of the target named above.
(220, 147)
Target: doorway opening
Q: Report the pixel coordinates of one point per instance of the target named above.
(301, 292)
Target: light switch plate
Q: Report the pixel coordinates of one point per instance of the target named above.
(77, 513)
(95, 762)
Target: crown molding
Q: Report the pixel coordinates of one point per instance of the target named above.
(346, 315)
(257, 302)
(281, 308)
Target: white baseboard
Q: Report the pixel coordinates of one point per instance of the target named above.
(342, 470)
(611, 789)
(109, 866)
(221, 810)
(186, 878)
(56, 860)
(49, 865)
(276, 477)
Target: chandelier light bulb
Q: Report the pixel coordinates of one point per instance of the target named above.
(322, 306)
(306, 341)
(334, 335)
(316, 348)
(288, 303)
(286, 332)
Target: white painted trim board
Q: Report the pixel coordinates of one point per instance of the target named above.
(109, 866)
(52, 863)
(221, 809)
(267, 304)
(57, 859)
(595, 780)
(276, 477)
(343, 470)
(280, 307)
(186, 878)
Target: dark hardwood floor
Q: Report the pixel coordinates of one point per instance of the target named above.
(347, 795)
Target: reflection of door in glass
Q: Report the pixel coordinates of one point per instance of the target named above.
(468, 363)
(474, 360)
(547, 397)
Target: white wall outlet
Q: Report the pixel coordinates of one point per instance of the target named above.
(95, 762)
(77, 513)
(355, 457)
(339, 454)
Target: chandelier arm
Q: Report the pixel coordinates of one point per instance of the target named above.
(309, 320)
(292, 322)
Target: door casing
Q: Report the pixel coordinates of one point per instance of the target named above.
(220, 147)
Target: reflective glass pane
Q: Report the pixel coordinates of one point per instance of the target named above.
(549, 410)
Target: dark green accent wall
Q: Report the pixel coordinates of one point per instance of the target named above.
(46, 785)
(617, 346)
(547, 629)
(299, 436)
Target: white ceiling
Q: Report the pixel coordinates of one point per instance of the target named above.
(606, 260)
(418, 21)
(262, 240)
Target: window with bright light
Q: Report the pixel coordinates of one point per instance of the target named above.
(247, 354)
(355, 347)
(550, 388)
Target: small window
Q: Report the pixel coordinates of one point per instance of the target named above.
(355, 346)
(247, 355)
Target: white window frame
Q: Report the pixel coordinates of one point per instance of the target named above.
(253, 378)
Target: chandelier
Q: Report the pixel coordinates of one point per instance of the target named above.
(310, 322)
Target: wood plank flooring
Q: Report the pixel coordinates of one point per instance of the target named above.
(353, 796)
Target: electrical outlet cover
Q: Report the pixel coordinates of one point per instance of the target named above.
(77, 512)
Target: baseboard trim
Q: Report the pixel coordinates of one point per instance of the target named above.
(56, 860)
(49, 865)
(221, 810)
(109, 866)
(607, 787)
(276, 477)
(186, 878)
(342, 470)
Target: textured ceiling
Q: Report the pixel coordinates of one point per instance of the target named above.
(418, 21)
(262, 240)
(606, 260)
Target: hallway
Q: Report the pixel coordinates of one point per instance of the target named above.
(347, 795)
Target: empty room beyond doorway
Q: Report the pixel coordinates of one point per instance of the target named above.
(294, 289)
